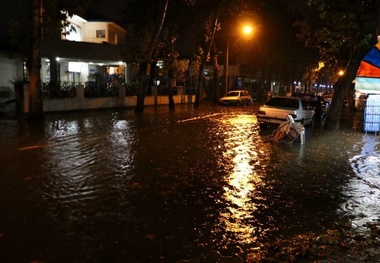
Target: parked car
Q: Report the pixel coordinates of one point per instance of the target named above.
(236, 97)
(277, 109)
(318, 103)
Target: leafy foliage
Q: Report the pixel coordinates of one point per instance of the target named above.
(339, 28)
(342, 31)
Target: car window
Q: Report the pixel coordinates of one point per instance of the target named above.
(283, 102)
(306, 104)
(232, 94)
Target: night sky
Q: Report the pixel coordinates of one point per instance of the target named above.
(111, 9)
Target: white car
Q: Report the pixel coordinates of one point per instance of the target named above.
(277, 109)
(236, 97)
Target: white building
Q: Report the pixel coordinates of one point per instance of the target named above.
(86, 47)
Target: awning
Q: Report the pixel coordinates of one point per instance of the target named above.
(368, 75)
(367, 85)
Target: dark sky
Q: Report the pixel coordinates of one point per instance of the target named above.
(301, 4)
(111, 9)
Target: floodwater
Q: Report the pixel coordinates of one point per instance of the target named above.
(165, 186)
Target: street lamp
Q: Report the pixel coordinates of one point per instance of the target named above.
(247, 30)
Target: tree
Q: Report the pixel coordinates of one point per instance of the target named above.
(35, 113)
(45, 19)
(210, 35)
(144, 21)
(342, 31)
(222, 16)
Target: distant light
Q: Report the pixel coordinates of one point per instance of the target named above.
(247, 30)
(112, 70)
(57, 59)
(341, 72)
(75, 67)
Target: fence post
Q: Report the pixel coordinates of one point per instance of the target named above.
(26, 97)
(121, 91)
(80, 91)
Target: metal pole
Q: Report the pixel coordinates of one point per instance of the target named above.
(226, 71)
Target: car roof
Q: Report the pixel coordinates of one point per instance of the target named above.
(296, 94)
(287, 97)
(237, 90)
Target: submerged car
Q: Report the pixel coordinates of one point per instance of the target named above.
(277, 109)
(236, 97)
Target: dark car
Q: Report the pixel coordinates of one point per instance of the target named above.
(318, 103)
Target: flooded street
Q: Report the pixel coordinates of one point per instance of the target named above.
(115, 186)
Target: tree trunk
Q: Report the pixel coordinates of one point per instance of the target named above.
(171, 77)
(145, 78)
(171, 100)
(199, 86)
(341, 89)
(201, 68)
(334, 112)
(35, 113)
(216, 92)
(144, 73)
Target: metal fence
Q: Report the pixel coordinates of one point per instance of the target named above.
(56, 90)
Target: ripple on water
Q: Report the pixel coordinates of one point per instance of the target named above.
(84, 166)
(364, 189)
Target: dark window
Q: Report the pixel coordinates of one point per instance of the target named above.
(100, 33)
(232, 94)
(283, 102)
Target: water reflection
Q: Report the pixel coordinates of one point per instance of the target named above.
(242, 178)
(164, 186)
(365, 188)
(71, 154)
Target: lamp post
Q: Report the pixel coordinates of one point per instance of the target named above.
(226, 71)
(246, 31)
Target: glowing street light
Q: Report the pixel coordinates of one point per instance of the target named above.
(247, 30)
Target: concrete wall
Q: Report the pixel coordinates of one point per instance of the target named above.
(82, 103)
(11, 69)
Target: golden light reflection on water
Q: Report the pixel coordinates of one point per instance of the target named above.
(243, 179)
